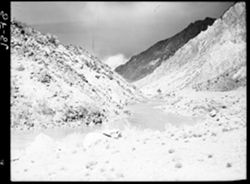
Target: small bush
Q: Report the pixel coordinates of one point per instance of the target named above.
(53, 39)
(75, 114)
(45, 78)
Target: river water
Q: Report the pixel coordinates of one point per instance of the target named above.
(144, 115)
(148, 115)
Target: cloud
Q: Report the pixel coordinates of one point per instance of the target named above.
(108, 28)
(115, 60)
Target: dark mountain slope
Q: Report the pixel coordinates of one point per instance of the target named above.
(146, 62)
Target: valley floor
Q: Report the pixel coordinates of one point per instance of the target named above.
(183, 136)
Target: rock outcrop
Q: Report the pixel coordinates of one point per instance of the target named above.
(146, 62)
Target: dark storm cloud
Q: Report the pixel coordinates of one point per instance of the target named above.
(110, 28)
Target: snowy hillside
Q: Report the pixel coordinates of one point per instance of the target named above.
(213, 60)
(53, 84)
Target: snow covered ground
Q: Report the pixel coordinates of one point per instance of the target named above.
(179, 133)
(213, 147)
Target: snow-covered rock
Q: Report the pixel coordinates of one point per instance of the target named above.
(92, 138)
(95, 137)
(41, 148)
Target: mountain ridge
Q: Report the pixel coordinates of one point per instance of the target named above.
(148, 60)
(219, 52)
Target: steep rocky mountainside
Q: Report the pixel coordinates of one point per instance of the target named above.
(146, 62)
(56, 85)
(213, 60)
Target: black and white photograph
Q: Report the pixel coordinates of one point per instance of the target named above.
(127, 91)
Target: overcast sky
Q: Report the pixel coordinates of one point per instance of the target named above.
(117, 29)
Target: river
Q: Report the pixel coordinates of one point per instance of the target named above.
(144, 115)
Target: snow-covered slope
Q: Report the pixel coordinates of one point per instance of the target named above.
(213, 60)
(54, 85)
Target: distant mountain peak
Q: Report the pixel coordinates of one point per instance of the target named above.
(147, 61)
